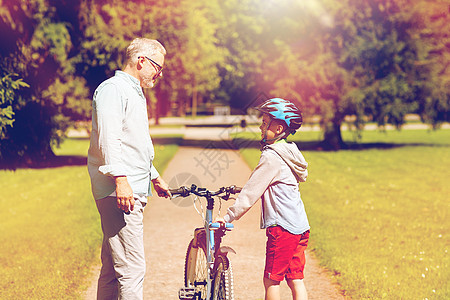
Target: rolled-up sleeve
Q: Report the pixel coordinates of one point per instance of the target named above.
(153, 173)
(109, 117)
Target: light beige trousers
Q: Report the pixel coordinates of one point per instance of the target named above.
(123, 260)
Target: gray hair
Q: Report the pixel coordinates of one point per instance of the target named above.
(143, 47)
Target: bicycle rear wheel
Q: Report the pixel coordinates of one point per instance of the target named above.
(196, 269)
(223, 279)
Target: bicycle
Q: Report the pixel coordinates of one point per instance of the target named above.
(207, 270)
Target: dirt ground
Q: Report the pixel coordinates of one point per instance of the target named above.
(169, 226)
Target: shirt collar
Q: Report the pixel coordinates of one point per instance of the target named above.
(132, 80)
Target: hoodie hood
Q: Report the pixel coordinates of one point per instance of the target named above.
(292, 156)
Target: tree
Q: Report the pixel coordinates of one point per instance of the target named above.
(184, 28)
(301, 67)
(36, 50)
(432, 30)
(376, 60)
(189, 34)
(241, 35)
(368, 59)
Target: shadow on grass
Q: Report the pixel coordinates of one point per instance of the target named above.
(52, 162)
(167, 140)
(55, 161)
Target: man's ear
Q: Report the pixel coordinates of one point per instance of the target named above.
(140, 62)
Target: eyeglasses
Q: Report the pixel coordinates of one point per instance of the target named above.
(157, 67)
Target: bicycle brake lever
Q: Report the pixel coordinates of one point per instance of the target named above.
(226, 196)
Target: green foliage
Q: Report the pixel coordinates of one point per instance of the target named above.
(9, 84)
(51, 39)
(376, 60)
(193, 58)
(183, 27)
(70, 96)
(431, 29)
(240, 33)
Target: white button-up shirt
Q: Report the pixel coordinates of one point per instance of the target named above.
(120, 140)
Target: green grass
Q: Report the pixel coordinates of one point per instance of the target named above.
(380, 217)
(50, 230)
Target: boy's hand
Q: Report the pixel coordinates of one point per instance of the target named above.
(220, 220)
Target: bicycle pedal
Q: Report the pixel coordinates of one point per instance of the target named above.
(186, 293)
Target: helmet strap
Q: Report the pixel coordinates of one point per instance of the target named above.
(265, 141)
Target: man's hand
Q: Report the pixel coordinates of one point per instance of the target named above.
(124, 193)
(161, 187)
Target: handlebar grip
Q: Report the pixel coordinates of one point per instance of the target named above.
(176, 191)
(183, 191)
(234, 189)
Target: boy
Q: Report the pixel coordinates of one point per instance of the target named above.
(275, 180)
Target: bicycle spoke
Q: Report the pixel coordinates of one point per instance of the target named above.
(196, 270)
(223, 280)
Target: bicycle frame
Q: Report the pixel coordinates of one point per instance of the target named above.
(208, 238)
(210, 241)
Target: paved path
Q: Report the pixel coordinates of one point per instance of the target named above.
(169, 227)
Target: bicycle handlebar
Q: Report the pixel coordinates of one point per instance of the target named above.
(203, 192)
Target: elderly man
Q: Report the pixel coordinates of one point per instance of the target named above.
(120, 164)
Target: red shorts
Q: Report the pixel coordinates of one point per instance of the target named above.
(285, 254)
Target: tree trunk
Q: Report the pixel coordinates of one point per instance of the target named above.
(159, 94)
(194, 100)
(332, 138)
(194, 103)
(157, 110)
(181, 106)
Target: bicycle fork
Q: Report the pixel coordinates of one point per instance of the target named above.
(210, 252)
(212, 243)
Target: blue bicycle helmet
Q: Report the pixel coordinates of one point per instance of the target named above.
(283, 110)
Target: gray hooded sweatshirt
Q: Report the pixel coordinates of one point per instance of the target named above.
(275, 180)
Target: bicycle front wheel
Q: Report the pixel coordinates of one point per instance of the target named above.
(223, 279)
(196, 269)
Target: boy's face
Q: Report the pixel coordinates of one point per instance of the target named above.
(276, 127)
